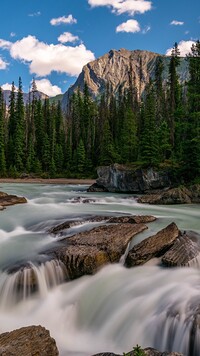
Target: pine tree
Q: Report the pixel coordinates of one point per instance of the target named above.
(2, 136)
(19, 136)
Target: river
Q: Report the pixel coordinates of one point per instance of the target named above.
(111, 311)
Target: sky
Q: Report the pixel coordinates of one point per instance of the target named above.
(51, 40)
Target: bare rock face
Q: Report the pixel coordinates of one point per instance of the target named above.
(86, 252)
(122, 178)
(116, 68)
(28, 341)
(153, 246)
(6, 200)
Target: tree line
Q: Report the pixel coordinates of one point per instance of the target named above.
(161, 129)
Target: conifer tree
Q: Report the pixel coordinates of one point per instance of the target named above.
(19, 137)
(2, 136)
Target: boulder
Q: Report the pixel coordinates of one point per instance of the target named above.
(6, 199)
(133, 219)
(179, 195)
(87, 251)
(127, 179)
(28, 341)
(184, 252)
(153, 246)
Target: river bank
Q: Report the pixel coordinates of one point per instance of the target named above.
(48, 181)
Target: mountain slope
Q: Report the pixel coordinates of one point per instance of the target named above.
(116, 68)
(26, 96)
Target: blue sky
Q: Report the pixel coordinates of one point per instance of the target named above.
(51, 40)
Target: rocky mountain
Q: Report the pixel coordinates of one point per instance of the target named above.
(117, 68)
(26, 96)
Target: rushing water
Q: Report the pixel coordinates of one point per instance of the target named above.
(111, 311)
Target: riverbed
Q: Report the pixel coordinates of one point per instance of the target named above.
(111, 311)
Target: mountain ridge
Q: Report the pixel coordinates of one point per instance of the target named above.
(116, 66)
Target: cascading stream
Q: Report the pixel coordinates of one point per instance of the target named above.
(111, 311)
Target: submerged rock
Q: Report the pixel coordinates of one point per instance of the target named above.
(125, 219)
(28, 341)
(127, 179)
(153, 246)
(87, 251)
(6, 200)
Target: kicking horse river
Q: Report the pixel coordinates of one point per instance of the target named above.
(116, 308)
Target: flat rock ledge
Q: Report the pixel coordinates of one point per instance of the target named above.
(131, 219)
(180, 195)
(6, 200)
(87, 252)
(28, 341)
(147, 351)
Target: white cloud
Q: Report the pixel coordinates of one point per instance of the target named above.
(177, 23)
(5, 44)
(7, 86)
(63, 20)
(124, 6)
(3, 64)
(184, 48)
(38, 13)
(129, 26)
(44, 58)
(67, 37)
(46, 87)
(12, 34)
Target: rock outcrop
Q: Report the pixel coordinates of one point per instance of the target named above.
(87, 251)
(184, 252)
(28, 341)
(6, 200)
(122, 178)
(180, 195)
(153, 246)
(118, 67)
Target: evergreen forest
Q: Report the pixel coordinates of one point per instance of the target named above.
(160, 130)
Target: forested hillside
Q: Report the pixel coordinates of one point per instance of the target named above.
(162, 129)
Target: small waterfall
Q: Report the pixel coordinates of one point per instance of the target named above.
(28, 280)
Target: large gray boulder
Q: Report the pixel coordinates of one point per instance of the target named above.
(28, 341)
(122, 178)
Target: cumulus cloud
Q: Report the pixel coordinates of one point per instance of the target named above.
(184, 48)
(63, 20)
(46, 87)
(177, 23)
(7, 86)
(124, 6)
(5, 44)
(129, 26)
(67, 37)
(3, 64)
(44, 58)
